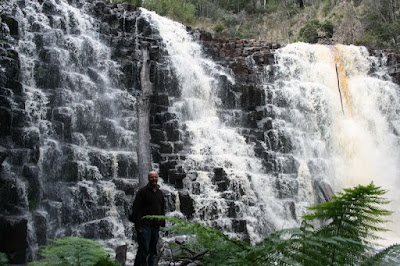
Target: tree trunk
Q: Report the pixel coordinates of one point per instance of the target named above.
(144, 152)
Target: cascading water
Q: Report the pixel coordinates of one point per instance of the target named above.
(230, 188)
(341, 112)
(81, 122)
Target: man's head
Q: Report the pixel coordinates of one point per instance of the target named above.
(153, 178)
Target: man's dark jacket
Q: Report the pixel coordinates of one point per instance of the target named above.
(148, 202)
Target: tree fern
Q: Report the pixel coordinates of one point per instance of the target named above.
(388, 257)
(347, 224)
(354, 214)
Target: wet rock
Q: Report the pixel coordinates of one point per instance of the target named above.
(286, 186)
(120, 254)
(40, 223)
(14, 238)
(47, 76)
(325, 189)
(12, 24)
(187, 206)
(129, 186)
(239, 226)
(175, 177)
(11, 67)
(64, 115)
(127, 166)
(221, 179)
(5, 121)
(3, 155)
(32, 173)
(104, 163)
(73, 171)
(102, 228)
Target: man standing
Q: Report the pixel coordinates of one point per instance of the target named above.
(149, 201)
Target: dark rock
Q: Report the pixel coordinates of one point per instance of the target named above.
(232, 209)
(120, 254)
(221, 179)
(40, 224)
(239, 226)
(64, 115)
(286, 187)
(47, 76)
(12, 24)
(166, 147)
(187, 205)
(49, 7)
(3, 155)
(32, 173)
(5, 121)
(160, 99)
(19, 156)
(11, 67)
(127, 166)
(104, 163)
(98, 229)
(73, 171)
(325, 189)
(129, 186)
(14, 238)
(157, 136)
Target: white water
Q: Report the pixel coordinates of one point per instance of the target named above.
(356, 145)
(212, 144)
(71, 41)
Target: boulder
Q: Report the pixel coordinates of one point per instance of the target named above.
(186, 204)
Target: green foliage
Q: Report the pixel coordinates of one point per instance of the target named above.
(179, 10)
(3, 259)
(349, 222)
(73, 251)
(218, 27)
(327, 26)
(216, 247)
(390, 256)
(309, 32)
(106, 261)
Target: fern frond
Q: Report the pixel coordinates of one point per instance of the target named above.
(388, 256)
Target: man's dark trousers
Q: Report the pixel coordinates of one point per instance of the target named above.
(147, 241)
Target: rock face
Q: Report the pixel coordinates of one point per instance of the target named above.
(69, 81)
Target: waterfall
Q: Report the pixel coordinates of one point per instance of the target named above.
(230, 188)
(86, 86)
(80, 122)
(345, 147)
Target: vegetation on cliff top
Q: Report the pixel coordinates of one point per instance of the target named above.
(374, 23)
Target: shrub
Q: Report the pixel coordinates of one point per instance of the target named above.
(218, 27)
(73, 251)
(309, 32)
(3, 259)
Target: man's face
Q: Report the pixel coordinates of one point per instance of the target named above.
(153, 178)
